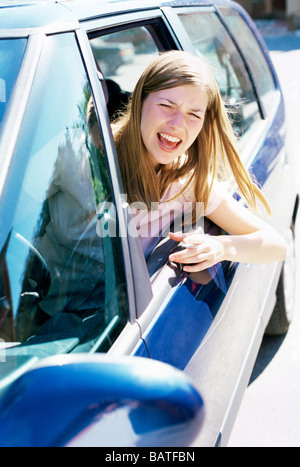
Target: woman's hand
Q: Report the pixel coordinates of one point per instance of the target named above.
(250, 240)
(201, 252)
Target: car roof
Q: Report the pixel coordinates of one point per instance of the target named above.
(123, 4)
(41, 13)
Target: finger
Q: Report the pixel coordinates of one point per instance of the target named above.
(197, 267)
(182, 256)
(190, 250)
(177, 236)
(194, 239)
(188, 256)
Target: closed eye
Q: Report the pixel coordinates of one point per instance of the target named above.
(196, 116)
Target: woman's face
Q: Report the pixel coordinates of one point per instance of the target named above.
(171, 121)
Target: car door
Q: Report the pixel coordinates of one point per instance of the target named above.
(65, 269)
(202, 325)
(224, 349)
(273, 157)
(65, 285)
(250, 88)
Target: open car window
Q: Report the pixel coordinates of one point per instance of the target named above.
(122, 56)
(62, 287)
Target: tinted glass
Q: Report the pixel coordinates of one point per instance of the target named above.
(211, 40)
(61, 277)
(260, 69)
(11, 56)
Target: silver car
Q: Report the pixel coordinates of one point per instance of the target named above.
(98, 346)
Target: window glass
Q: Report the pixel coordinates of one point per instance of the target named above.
(11, 56)
(251, 49)
(212, 41)
(122, 57)
(62, 287)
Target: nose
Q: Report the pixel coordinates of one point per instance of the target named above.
(177, 120)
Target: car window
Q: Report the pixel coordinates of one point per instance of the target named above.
(213, 42)
(122, 57)
(11, 56)
(260, 69)
(62, 286)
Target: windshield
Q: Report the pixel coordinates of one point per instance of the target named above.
(11, 56)
(61, 278)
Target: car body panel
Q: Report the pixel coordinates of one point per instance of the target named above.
(208, 327)
(40, 15)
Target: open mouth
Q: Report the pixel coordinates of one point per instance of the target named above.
(168, 142)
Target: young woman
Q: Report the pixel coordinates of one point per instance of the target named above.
(175, 143)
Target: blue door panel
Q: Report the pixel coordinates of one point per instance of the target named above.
(179, 330)
(267, 155)
(181, 326)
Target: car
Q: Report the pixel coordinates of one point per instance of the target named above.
(99, 347)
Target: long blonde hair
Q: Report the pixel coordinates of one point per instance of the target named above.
(214, 150)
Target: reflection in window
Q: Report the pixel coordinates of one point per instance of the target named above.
(61, 281)
(11, 56)
(213, 42)
(263, 78)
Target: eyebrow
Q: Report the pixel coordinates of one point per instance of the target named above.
(192, 110)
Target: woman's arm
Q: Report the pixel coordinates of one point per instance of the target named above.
(251, 240)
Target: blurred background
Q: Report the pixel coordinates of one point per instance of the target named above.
(287, 10)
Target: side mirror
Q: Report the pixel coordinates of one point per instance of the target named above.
(95, 400)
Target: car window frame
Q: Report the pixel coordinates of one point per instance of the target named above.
(257, 37)
(249, 146)
(120, 21)
(73, 41)
(135, 269)
(276, 91)
(17, 105)
(14, 122)
(131, 257)
(144, 300)
(100, 27)
(194, 10)
(245, 62)
(168, 277)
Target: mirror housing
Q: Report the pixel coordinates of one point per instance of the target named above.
(96, 400)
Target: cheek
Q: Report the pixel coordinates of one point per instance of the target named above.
(194, 133)
(144, 127)
(145, 120)
(149, 122)
(145, 132)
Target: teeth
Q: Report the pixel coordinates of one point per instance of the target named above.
(173, 139)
